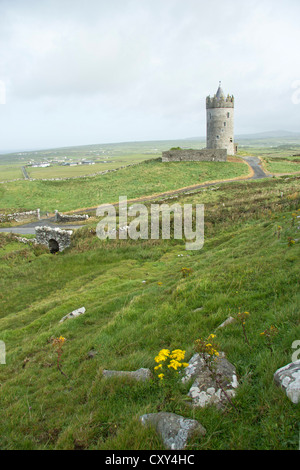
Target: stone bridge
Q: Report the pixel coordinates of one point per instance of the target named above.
(55, 238)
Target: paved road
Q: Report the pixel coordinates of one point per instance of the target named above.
(255, 164)
(29, 229)
(25, 174)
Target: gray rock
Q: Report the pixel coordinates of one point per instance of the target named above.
(175, 430)
(288, 378)
(91, 354)
(139, 375)
(73, 314)
(205, 389)
(226, 322)
(198, 309)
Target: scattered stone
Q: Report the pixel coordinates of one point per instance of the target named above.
(226, 322)
(205, 390)
(175, 430)
(139, 375)
(74, 314)
(25, 240)
(91, 354)
(198, 309)
(288, 378)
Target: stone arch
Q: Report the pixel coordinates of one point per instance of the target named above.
(54, 238)
(53, 246)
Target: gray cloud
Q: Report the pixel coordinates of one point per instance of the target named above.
(80, 72)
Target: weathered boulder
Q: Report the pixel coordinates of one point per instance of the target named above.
(139, 375)
(175, 430)
(288, 378)
(206, 389)
(74, 314)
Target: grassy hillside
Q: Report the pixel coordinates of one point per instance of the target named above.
(247, 262)
(59, 171)
(10, 172)
(282, 165)
(144, 179)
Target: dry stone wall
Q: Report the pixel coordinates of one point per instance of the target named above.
(19, 216)
(69, 218)
(191, 155)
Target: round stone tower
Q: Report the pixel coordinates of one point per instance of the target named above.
(220, 122)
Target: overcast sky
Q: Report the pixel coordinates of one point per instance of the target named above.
(82, 72)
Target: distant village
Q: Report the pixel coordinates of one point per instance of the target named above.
(63, 160)
(64, 163)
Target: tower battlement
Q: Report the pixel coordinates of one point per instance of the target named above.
(221, 102)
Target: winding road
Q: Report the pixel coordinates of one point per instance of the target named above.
(29, 229)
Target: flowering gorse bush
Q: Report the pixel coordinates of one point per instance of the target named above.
(291, 241)
(186, 272)
(208, 350)
(169, 363)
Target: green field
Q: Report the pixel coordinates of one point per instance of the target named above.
(282, 165)
(127, 153)
(141, 180)
(60, 171)
(10, 172)
(246, 263)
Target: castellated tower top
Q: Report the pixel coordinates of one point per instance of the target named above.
(219, 100)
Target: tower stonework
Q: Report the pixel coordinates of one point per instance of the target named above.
(220, 122)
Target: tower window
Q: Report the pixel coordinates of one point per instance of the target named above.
(218, 136)
(224, 124)
(228, 115)
(231, 140)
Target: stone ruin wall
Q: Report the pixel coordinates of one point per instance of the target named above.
(19, 216)
(190, 155)
(69, 218)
